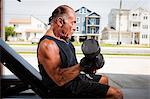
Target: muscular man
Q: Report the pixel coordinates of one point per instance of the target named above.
(58, 64)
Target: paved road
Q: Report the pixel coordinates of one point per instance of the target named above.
(113, 64)
(114, 50)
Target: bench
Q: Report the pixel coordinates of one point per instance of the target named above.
(28, 76)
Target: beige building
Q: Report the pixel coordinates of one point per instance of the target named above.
(28, 29)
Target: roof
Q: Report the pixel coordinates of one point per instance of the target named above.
(20, 21)
(93, 14)
(39, 20)
(83, 7)
(106, 29)
(24, 20)
(34, 30)
(119, 9)
(141, 10)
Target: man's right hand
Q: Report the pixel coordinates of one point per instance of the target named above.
(86, 64)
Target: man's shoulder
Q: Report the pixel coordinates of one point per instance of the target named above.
(47, 43)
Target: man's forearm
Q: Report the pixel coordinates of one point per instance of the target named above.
(69, 73)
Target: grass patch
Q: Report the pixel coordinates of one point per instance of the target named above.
(123, 54)
(80, 53)
(27, 52)
(126, 45)
(102, 45)
(117, 54)
(136, 46)
(108, 45)
(23, 44)
(115, 45)
(77, 43)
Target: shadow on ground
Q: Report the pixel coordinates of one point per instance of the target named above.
(133, 86)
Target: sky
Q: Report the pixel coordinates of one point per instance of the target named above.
(42, 9)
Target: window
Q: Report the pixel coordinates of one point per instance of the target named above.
(144, 36)
(145, 26)
(134, 16)
(83, 10)
(134, 25)
(97, 21)
(89, 30)
(39, 25)
(15, 25)
(77, 28)
(78, 19)
(92, 21)
(145, 17)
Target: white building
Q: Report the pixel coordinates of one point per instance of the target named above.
(28, 28)
(113, 19)
(140, 26)
(134, 27)
(113, 30)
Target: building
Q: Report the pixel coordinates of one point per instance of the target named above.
(29, 28)
(113, 32)
(87, 25)
(139, 21)
(134, 27)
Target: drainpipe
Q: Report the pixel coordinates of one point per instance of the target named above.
(119, 41)
(2, 34)
(148, 43)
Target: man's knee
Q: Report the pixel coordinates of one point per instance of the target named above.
(114, 93)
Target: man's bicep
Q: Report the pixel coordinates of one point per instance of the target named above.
(51, 58)
(51, 65)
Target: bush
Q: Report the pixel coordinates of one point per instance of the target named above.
(9, 31)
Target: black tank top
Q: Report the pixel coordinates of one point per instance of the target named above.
(67, 55)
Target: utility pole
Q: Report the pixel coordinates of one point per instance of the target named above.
(119, 41)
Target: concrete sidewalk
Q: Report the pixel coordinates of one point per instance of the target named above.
(133, 86)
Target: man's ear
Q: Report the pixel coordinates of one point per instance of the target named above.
(60, 21)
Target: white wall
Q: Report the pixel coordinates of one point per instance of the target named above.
(28, 29)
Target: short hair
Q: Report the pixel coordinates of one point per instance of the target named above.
(59, 11)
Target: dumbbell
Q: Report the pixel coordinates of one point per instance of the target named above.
(93, 59)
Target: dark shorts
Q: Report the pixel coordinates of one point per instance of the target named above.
(86, 86)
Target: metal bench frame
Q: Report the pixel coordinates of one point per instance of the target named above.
(23, 70)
